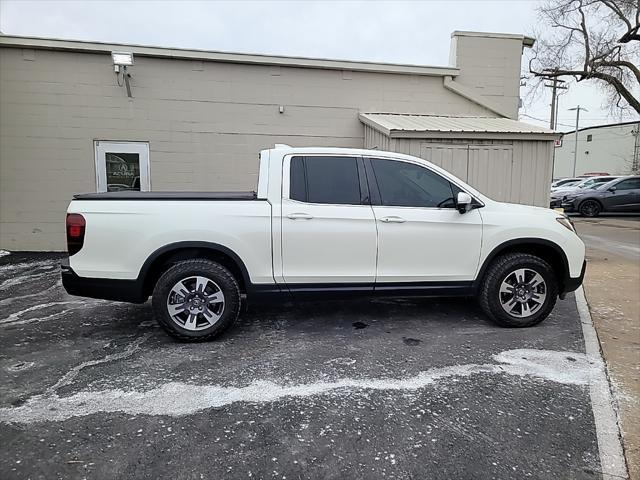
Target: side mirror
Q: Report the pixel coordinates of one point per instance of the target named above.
(612, 189)
(463, 202)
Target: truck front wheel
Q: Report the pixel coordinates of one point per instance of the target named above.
(196, 300)
(518, 290)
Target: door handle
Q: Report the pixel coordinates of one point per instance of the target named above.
(392, 219)
(300, 216)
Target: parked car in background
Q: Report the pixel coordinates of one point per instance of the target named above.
(584, 185)
(619, 195)
(565, 182)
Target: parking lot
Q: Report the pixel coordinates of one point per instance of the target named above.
(359, 389)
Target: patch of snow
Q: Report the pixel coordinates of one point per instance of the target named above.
(178, 399)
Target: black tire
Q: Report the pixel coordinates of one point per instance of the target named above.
(489, 294)
(590, 208)
(184, 270)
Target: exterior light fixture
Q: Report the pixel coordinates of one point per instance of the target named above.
(122, 60)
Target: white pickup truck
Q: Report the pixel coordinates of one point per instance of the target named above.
(322, 221)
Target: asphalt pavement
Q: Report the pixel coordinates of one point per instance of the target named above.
(408, 389)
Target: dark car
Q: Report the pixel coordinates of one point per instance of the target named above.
(558, 195)
(619, 195)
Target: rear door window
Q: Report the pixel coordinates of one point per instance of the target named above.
(330, 180)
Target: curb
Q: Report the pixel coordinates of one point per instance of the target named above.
(605, 416)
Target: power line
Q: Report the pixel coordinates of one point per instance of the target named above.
(545, 121)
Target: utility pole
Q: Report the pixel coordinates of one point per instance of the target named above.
(555, 85)
(635, 164)
(575, 153)
(558, 104)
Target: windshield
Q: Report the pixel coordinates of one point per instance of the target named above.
(587, 183)
(570, 184)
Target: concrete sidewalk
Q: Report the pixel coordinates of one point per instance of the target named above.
(612, 288)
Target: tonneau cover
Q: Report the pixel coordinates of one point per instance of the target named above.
(134, 195)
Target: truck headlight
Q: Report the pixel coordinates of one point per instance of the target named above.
(565, 222)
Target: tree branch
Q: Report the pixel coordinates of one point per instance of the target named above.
(623, 63)
(620, 88)
(585, 35)
(592, 40)
(616, 10)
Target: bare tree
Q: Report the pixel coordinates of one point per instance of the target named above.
(596, 40)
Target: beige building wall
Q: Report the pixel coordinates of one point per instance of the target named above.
(517, 171)
(205, 123)
(489, 65)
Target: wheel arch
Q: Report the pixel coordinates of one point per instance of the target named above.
(549, 251)
(165, 256)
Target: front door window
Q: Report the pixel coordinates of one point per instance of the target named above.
(122, 166)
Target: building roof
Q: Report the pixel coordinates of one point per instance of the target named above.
(609, 125)
(424, 126)
(228, 57)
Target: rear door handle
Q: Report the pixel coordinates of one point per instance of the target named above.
(300, 216)
(392, 219)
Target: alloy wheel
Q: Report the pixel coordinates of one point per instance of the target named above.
(590, 209)
(522, 292)
(195, 303)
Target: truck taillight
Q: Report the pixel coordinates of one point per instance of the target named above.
(75, 232)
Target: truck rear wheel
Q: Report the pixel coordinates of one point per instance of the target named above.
(518, 290)
(196, 300)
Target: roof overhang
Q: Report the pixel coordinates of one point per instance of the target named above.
(526, 40)
(227, 57)
(396, 125)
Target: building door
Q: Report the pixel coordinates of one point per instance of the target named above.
(122, 166)
(490, 170)
(452, 157)
(485, 167)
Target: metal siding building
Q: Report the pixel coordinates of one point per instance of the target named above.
(197, 120)
(606, 148)
(509, 160)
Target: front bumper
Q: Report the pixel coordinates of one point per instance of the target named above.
(102, 288)
(569, 206)
(555, 203)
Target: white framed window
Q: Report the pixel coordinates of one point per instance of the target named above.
(122, 166)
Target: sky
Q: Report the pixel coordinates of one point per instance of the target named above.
(415, 32)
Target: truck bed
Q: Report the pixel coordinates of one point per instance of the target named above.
(134, 195)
